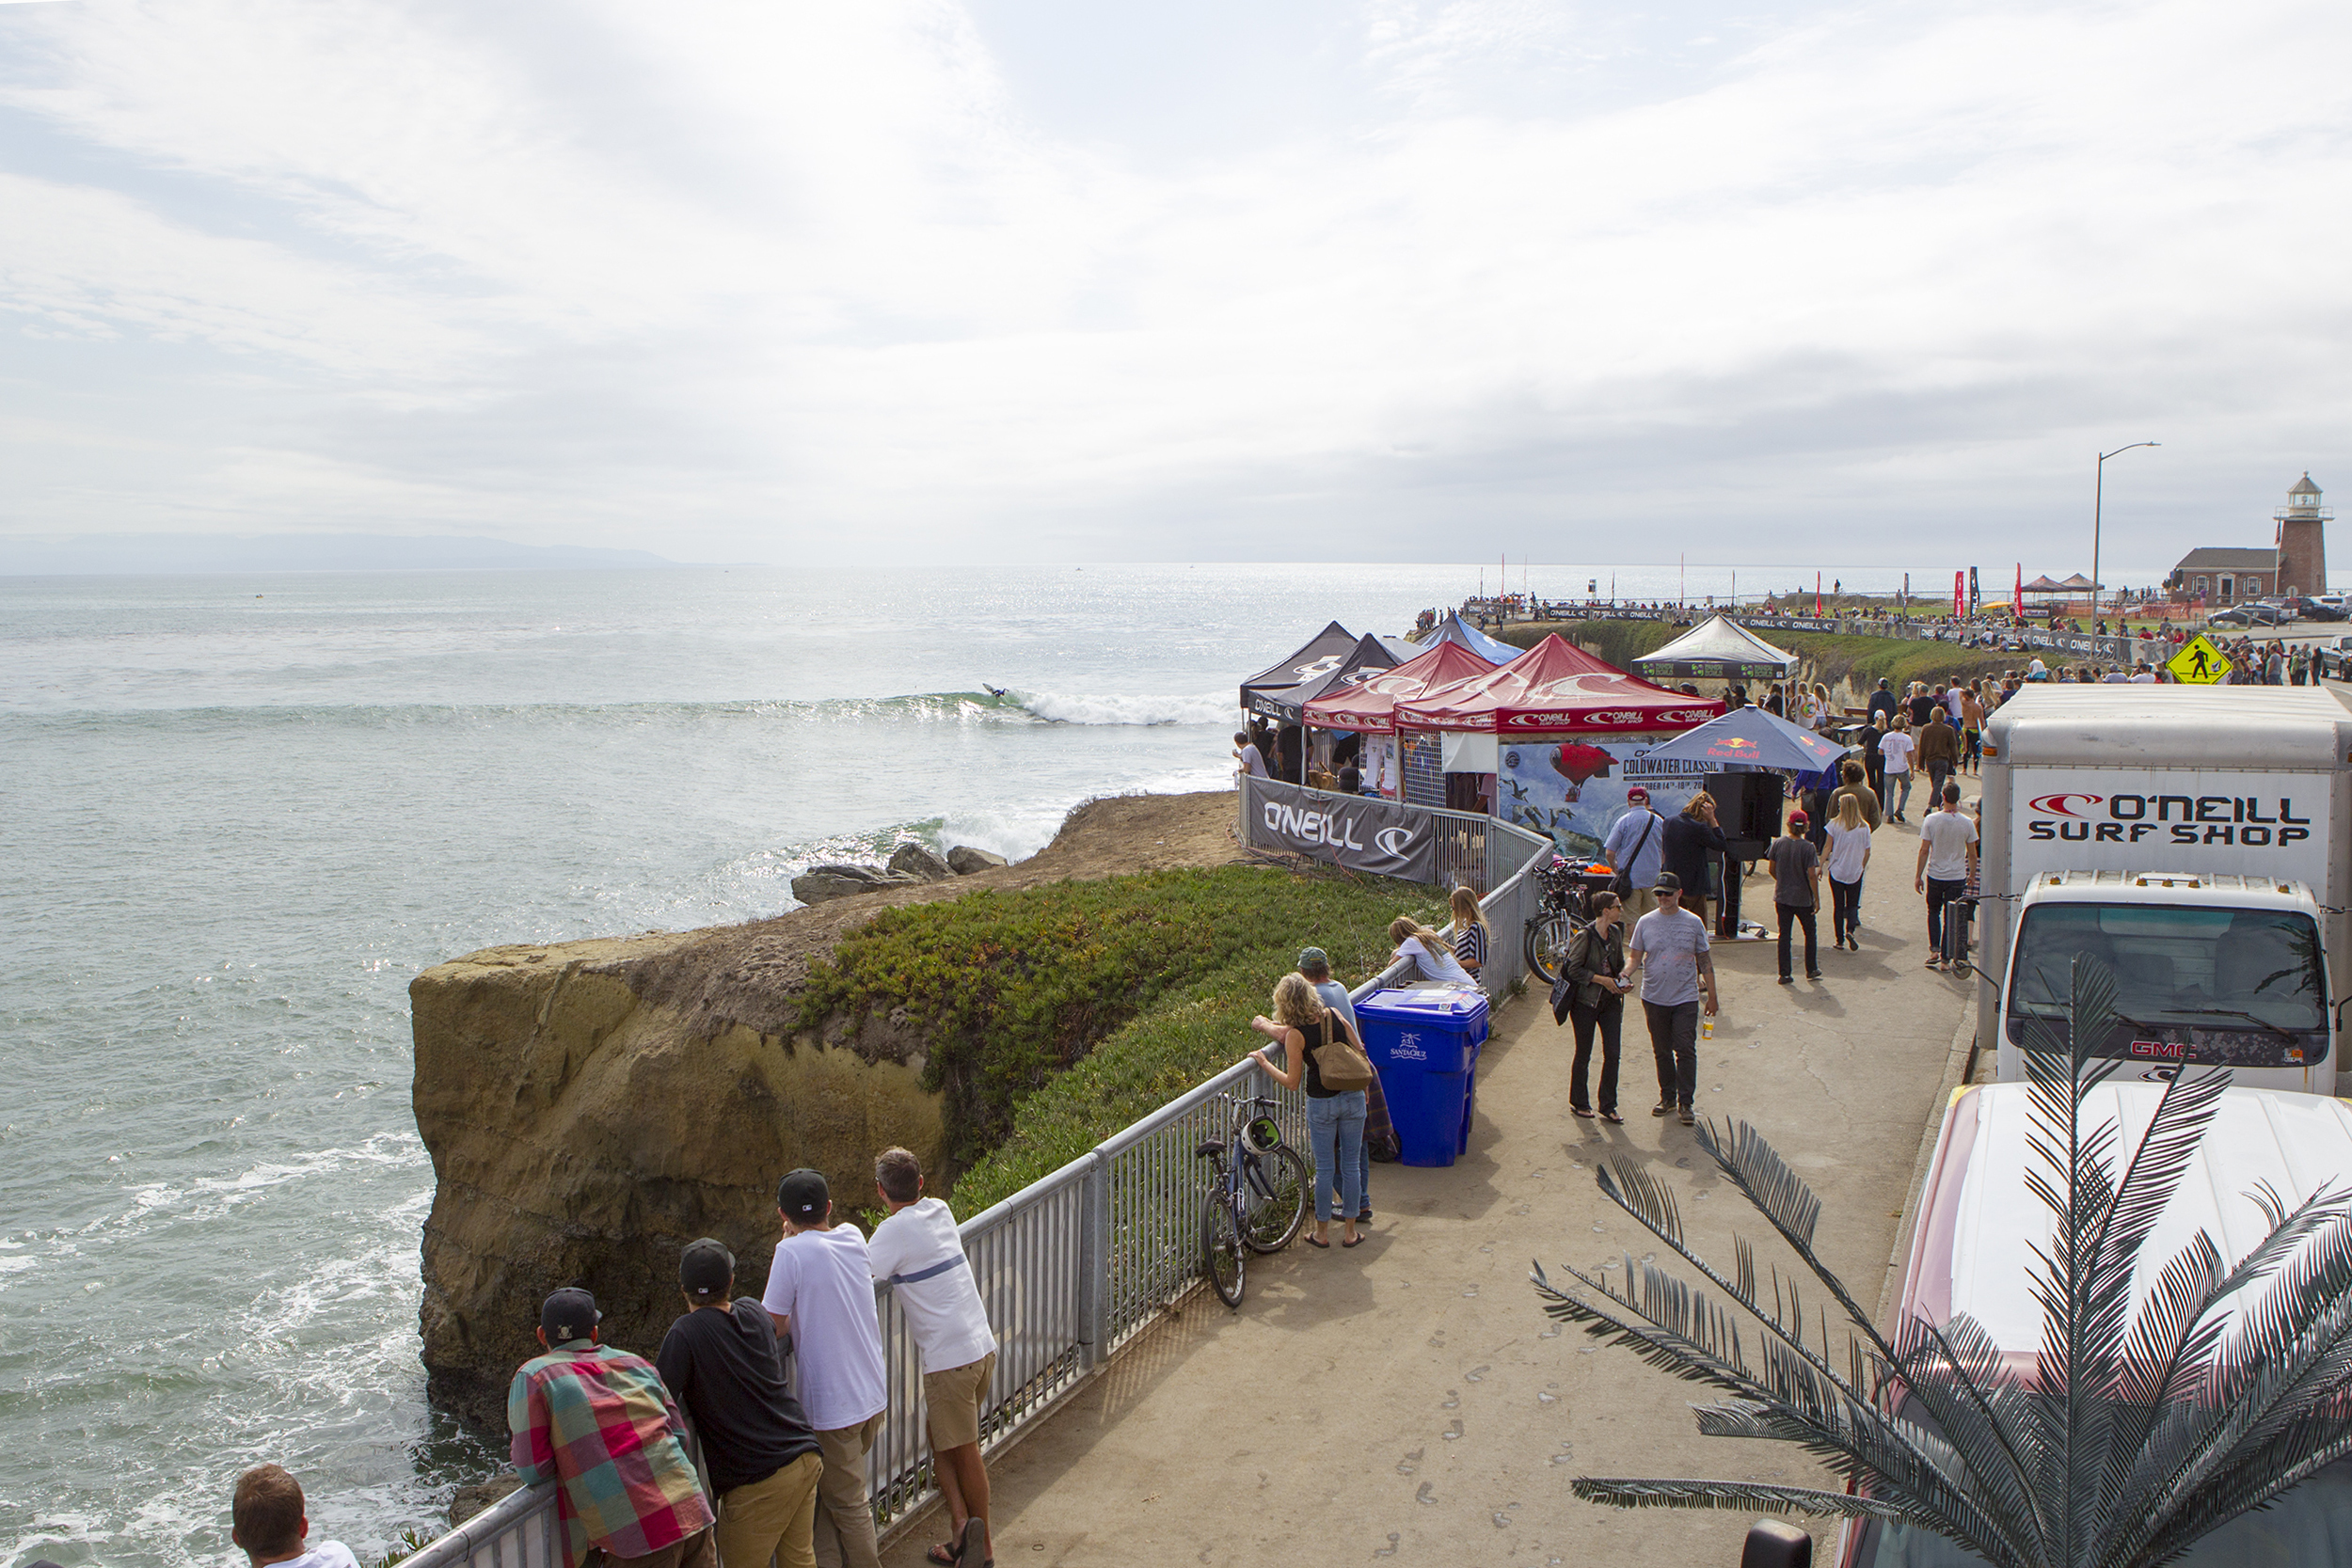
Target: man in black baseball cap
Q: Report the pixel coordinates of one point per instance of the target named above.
(722, 1362)
(820, 1293)
(598, 1422)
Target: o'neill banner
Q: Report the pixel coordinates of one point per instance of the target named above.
(1353, 830)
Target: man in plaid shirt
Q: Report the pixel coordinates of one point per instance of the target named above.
(598, 1421)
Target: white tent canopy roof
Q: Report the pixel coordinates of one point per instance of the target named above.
(1721, 641)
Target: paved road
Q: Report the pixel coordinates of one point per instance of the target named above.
(1407, 1401)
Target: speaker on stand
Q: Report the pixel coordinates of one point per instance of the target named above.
(1748, 809)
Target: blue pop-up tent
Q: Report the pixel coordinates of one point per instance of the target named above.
(1454, 629)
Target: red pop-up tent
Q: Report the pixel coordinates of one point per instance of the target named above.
(1554, 689)
(1369, 707)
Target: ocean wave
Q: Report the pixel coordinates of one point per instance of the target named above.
(1057, 708)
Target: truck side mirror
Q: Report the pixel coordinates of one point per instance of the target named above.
(2340, 1007)
(1774, 1543)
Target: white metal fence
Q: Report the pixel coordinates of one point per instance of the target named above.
(1073, 1265)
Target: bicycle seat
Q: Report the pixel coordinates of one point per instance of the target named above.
(1209, 1150)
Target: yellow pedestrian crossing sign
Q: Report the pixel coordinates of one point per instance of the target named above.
(2200, 663)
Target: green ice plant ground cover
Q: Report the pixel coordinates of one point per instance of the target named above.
(1060, 1014)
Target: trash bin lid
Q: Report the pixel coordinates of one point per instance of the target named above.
(1449, 1009)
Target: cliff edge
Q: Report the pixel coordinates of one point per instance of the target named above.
(592, 1106)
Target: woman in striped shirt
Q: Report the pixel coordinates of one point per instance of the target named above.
(1469, 934)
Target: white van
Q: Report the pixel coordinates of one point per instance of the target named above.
(1973, 1252)
(2210, 968)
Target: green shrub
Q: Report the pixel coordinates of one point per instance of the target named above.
(1060, 1014)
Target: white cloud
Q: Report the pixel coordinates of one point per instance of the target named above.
(737, 280)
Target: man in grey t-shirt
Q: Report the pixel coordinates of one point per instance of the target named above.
(1669, 950)
(1796, 892)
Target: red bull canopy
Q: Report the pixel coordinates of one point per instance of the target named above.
(1554, 689)
(1370, 707)
(1750, 738)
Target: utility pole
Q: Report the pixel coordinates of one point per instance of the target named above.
(2098, 498)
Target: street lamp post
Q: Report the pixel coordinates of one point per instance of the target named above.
(2098, 496)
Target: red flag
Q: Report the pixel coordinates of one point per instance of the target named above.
(2017, 599)
(1959, 594)
(1817, 595)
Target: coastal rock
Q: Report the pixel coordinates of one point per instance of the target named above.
(963, 860)
(821, 882)
(583, 1132)
(470, 1500)
(920, 862)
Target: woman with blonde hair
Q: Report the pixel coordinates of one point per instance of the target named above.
(1848, 854)
(1431, 954)
(1469, 934)
(1302, 1025)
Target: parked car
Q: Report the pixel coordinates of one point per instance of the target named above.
(2335, 658)
(2245, 615)
(2308, 608)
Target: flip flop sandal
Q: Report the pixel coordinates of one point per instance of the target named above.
(973, 1547)
(1358, 1242)
(1580, 1111)
(1313, 1241)
(943, 1554)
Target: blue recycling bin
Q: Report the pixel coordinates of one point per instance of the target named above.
(1424, 1045)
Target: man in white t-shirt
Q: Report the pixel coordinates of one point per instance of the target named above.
(268, 1523)
(918, 1249)
(1895, 749)
(1947, 851)
(820, 1293)
(1245, 752)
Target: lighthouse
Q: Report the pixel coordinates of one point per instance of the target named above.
(2302, 541)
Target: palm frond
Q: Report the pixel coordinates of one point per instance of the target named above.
(1743, 1495)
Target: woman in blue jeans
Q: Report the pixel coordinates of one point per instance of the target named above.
(1302, 1026)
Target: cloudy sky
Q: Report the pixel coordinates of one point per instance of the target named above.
(1047, 279)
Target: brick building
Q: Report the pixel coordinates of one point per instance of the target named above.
(2295, 563)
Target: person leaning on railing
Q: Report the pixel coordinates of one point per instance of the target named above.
(1431, 957)
(1302, 1025)
(599, 1422)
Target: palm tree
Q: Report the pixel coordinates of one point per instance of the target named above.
(2135, 1435)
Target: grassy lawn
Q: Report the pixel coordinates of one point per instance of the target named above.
(1061, 1014)
(1835, 654)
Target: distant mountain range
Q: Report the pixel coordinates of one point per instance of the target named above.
(149, 554)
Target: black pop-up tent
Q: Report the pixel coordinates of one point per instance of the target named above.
(1368, 658)
(1321, 654)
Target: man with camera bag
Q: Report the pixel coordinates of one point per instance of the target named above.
(1635, 842)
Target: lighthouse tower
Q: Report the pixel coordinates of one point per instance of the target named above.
(2303, 546)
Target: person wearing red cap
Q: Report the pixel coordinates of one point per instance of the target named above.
(1796, 892)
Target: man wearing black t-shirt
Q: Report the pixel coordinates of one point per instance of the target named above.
(723, 1367)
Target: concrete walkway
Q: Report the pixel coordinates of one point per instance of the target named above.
(1408, 1400)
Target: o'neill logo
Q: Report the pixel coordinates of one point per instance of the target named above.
(1394, 841)
(1313, 826)
(2056, 805)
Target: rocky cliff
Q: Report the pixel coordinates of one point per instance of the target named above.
(590, 1107)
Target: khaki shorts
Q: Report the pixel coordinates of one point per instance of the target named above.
(953, 1400)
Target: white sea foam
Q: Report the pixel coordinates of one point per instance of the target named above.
(1063, 708)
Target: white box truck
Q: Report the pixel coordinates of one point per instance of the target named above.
(2192, 838)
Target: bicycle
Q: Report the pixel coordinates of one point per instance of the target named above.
(1566, 909)
(1259, 1200)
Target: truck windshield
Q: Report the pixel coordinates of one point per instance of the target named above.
(2176, 966)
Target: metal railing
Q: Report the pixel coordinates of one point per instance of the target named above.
(1075, 1264)
(2106, 650)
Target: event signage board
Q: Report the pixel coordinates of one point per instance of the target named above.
(1574, 791)
(1352, 831)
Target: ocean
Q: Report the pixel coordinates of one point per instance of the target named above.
(242, 812)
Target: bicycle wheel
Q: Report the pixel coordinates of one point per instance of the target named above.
(1548, 944)
(1274, 1192)
(1221, 1252)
